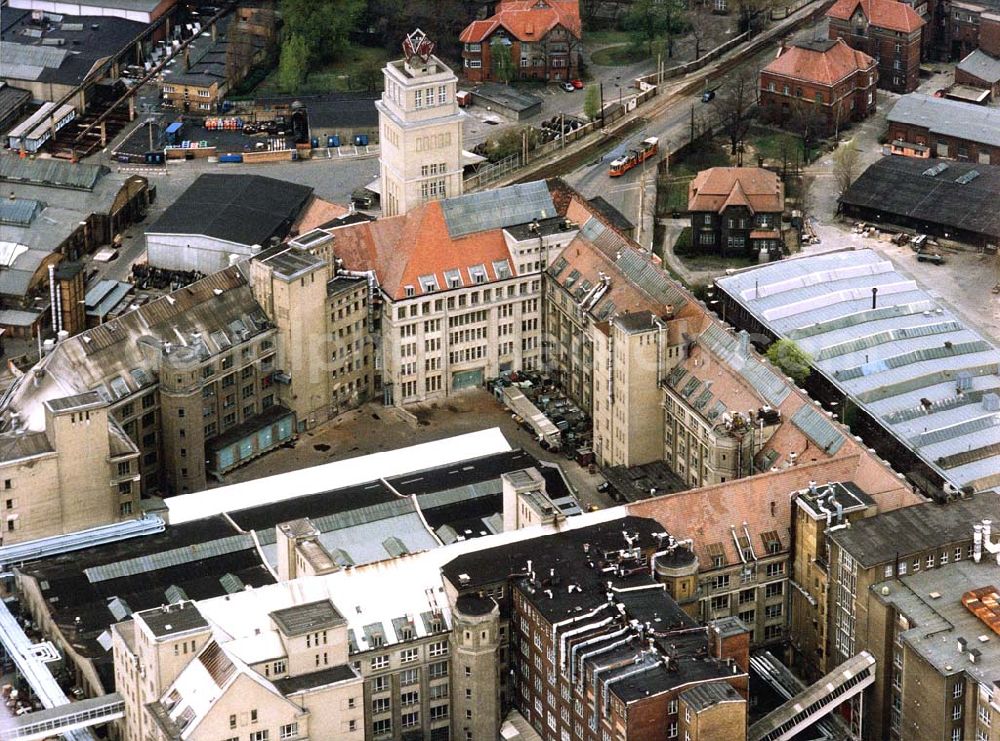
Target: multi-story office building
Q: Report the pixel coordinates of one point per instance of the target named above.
(934, 636)
(872, 565)
(79, 471)
(596, 648)
(461, 287)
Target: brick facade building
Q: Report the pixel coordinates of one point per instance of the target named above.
(889, 31)
(825, 81)
(952, 130)
(543, 37)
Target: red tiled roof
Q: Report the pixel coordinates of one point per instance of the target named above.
(526, 20)
(824, 62)
(717, 187)
(402, 249)
(890, 14)
(706, 515)
(316, 213)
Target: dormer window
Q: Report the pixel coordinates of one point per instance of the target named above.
(409, 291)
(477, 274)
(428, 283)
(453, 278)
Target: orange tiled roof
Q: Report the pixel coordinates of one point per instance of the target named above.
(717, 187)
(890, 14)
(526, 20)
(402, 249)
(823, 62)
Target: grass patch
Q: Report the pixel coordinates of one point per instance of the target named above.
(714, 263)
(769, 145)
(352, 72)
(606, 37)
(621, 55)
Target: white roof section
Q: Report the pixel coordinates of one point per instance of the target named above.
(376, 593)
(335, 475)
(910, 362)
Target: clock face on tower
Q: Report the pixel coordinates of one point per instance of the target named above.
(416, 44)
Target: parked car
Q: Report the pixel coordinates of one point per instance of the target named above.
(932, 257)
(708, 96)
(568, 87)
(577, 84)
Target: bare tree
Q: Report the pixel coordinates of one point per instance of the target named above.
(736, 108)
(807, 121)
(701, 22)
(846, 163)
(752, 14)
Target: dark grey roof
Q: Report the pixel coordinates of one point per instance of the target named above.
(172, 619)
(79, 402)
(901, 532)
(703, 696)
(244, 209)
(314, 680)
(967, 121)
(636, 321)
(17, 445)
(615, 217)
(301, 619)
(899, 185)
(86, 39)
(290, 262)
(982, 66)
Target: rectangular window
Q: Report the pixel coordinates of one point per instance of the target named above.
(290, 730)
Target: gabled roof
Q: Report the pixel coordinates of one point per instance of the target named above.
(526, 20)
(890, 14)
(982, 66)
(717, 188)
(975, 123)
(823, 62)
(404, 249)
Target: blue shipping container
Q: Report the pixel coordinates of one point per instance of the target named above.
(334, 141)
(315, 142)
(361, 140)
(223, 158)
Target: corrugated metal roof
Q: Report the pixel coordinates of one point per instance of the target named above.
(765, 381)
(818, 428)
(494, 209)
(166, 559)
(650, 278)
(19, 211)
(974, 123)
(51, 172)
(902, 361)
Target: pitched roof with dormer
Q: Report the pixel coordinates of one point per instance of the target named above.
(718, 188)
(823, 62)
(526, 20)
(890, 14)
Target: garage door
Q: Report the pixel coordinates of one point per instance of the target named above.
(467, 379)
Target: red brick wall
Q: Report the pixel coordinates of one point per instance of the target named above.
(989, 36)
(881, 44)
(964, 78)
(921, 135)
(773, 102)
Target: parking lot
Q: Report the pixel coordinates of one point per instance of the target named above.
(373, 428)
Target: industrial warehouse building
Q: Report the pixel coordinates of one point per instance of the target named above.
(906, 373)
(956, 200)
(220, 216)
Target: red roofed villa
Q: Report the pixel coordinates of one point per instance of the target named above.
(543, 35)
(826, 80)
(887, 30)
(737, 210)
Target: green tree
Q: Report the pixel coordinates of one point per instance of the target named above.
(503, 65)
(645, 21)
(294, 65)
(793, 361)
(324, 25)
(592, 102)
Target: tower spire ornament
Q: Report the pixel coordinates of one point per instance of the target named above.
(417, 44)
